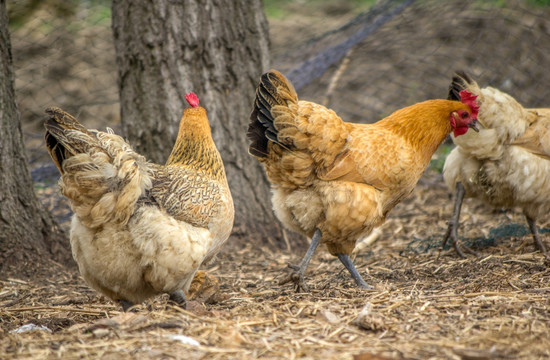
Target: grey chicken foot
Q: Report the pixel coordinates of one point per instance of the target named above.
(538, 242)
(452, 230)
(353, 271)
(178, 297)
(125, 305)
(297, 275)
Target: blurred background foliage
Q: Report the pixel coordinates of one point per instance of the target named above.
(64, 56)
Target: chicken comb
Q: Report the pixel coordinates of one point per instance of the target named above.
(469, 99)
(192, 99)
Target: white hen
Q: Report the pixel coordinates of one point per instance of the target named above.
(506, 164)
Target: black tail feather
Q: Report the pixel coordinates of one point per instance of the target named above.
(460, 81)
(59, 146)
(262, 129)
(57, 152)
(256, 134)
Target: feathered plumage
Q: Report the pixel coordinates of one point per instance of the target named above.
(336, 180)
(507, 163)
(141, 229)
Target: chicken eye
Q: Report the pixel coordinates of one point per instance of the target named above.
(464, 115)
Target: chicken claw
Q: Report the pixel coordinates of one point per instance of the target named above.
(297, 275)
(125, 305)
(452, 230)
(178, 297)
(538, 242)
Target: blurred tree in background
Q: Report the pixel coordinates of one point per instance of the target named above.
(28, 234)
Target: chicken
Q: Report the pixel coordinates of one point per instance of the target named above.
(140, 229)
(506, 164)
(335, 181)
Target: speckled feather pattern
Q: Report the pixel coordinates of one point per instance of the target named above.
(340, 177)
(506, 164)
(140, 229)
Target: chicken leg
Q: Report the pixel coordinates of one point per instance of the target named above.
(452, 230)
(538, 242)
(297, 275)
(344, 258)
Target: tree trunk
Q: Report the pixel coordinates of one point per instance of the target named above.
(27, 231)
(217, 49)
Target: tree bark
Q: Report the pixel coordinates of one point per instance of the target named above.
(217, 49)
(27, 230)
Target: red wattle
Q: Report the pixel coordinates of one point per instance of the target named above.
(460, 131)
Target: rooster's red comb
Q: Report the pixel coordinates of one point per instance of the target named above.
(469, 99)
(192, 99)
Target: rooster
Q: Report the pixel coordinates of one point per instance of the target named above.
(506, 164)
(335, 181)
(141, 229)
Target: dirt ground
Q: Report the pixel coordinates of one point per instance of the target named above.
(426, 303)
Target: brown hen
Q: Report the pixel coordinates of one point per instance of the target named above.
(335, 181)
(140, 229)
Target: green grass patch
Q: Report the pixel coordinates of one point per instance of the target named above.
(506, 3)
(72, 15)
(438, 159)
(543, 3)
(280, 8)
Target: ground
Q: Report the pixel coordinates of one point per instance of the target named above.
(426, 302)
